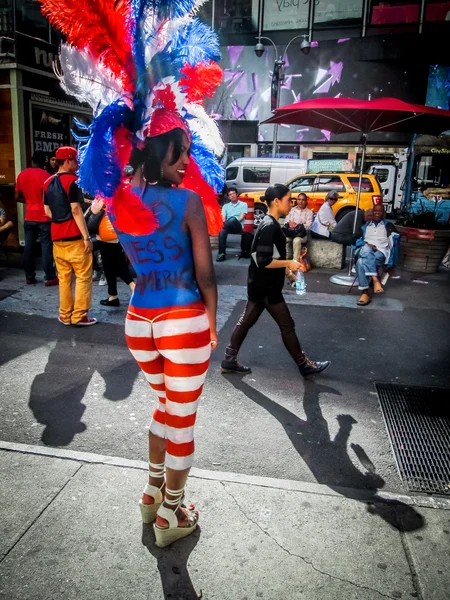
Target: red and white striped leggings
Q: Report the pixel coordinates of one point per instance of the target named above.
(173, 348)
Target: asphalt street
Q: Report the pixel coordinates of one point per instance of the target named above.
(80, 389)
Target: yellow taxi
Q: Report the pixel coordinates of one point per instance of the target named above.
(316, 186)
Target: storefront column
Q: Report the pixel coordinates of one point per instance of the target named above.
(18, 126)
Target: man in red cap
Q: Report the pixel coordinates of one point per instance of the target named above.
(72, 246)
(29, 188)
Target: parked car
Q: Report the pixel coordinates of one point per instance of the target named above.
(316, 186)
(251, 174)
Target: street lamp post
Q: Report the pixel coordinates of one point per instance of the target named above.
(278, 74)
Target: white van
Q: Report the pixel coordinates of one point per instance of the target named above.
(253, 174)
(392, 181)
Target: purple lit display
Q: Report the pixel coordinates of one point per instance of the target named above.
(333, 69)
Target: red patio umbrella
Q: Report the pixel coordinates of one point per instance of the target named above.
(345, 115)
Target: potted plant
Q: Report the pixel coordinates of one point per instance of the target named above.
(425, 236)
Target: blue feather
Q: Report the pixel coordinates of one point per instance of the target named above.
(212, 172)
(100, 173)
(193, 43)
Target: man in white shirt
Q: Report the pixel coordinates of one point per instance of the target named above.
(375, 251)
(233, 215)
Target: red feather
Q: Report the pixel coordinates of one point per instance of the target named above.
(201, 80)
(130, 214)
(194, 181)
(165, 98)
(100, 26)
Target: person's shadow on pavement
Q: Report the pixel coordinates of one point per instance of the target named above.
(172, 564)
(56, 395)
(328, 459)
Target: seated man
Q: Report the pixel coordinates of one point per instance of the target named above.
(5, 226)
(296, 226)
(233, 215)
(375, 249)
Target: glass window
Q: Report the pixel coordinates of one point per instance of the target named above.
(256, 174)
(382, 175)
(327, 184)
(395, 11)
(30, 20)
(302, 184)
(281, 14)
(231, 173)
(437, 10)
(366, 184)
(339, 13)
(235, 16)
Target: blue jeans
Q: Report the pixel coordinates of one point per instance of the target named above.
(32, 230)
(366, 265)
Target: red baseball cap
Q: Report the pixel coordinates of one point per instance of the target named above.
(66, 153)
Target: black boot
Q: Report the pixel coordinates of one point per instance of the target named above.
(230, 363)
(310, 367)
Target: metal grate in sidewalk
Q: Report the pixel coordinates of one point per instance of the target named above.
(418, 424)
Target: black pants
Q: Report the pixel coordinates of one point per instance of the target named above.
(319, 236)
(230, 226)
(346, 239)
(32, 230)
(114, 265)
(281, 315)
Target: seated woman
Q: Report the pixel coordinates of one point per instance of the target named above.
(325, 222)
(296, 225)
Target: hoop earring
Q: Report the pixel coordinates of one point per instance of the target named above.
(145, 179)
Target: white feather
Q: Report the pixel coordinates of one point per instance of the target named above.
(85, 79)
(157, 39)
(205, 127)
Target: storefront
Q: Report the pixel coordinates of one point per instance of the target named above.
(35, 115)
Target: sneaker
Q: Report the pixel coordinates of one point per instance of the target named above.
(97, 276)
(102, 280)
(30, 280)
(51, 282)
(310, 367)
(61, 320)
(221, 258)
(85, 321)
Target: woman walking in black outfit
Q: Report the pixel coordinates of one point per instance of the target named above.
(113, 257)
(268, 266)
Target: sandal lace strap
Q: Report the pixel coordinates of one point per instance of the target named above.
(177, 497)
(156, 470)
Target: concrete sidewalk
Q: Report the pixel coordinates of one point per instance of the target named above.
(70, 528)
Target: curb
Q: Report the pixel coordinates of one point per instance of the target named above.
(424, 501)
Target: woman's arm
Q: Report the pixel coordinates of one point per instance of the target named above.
(205, 276)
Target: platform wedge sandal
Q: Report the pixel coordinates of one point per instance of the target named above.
(148, 511)
(167, 535)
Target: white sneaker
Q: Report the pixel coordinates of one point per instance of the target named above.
(102, 280)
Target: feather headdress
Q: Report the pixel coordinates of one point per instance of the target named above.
(145, 67)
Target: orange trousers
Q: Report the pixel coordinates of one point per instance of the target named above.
(70, 259)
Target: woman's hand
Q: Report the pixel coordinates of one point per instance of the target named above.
(97, 205)
(214, 340)
(294, 265)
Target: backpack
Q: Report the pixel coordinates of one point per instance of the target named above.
(57, 199)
